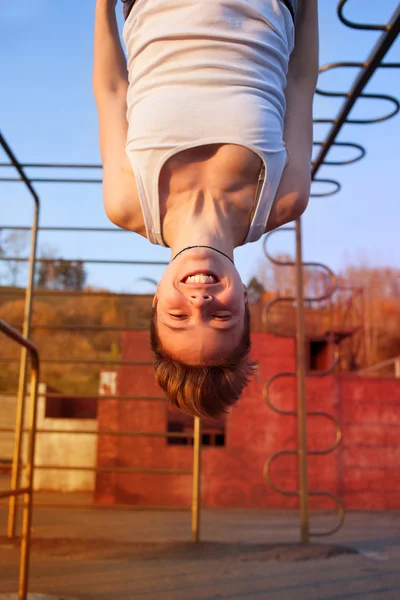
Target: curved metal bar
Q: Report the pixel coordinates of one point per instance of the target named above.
(373, 62)
(325, 194)
(267, 475)
(266, 393)
(349, 161)
(353, 25)
(338, 432)
(385, 97)
(341, 512)
(367, 68)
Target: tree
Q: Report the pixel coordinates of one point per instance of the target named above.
(61, 274)
(14, 245)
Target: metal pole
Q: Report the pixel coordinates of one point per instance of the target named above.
(301, 392)
(28, 496)
(15, 474)
(196, 493)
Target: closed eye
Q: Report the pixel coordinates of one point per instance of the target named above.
(178, 316)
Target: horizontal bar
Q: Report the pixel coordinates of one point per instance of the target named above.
(79, 328)
(93, 261)
(381, 365)
(49, 180)
(62, 293)
(55, 165)
(162, 434)
(101, 397)
(81, 361)
(17, 492)
(107, 506)
(104, 397)
(149, 470)
(85, 229)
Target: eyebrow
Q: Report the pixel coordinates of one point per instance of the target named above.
(180, 328)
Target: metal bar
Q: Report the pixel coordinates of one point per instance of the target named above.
(381, 365)
(165, 434)
(28, 493)
(55, 165)
(150, 470)
(80, 328)
(301, 391)
(73, 361)
(196, 498)
(62, 293)
(383, 45)
(51, 180)
(18, 492)
(92, 261)
(82, 229)
(109, 506)
(26, 334)
(106, 397)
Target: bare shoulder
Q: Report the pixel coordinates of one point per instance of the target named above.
(121, 198)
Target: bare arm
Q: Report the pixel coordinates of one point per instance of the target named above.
(109, 68)
(110, 82)
(110, 85)
(293, 192)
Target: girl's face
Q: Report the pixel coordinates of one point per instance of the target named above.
(200, 305)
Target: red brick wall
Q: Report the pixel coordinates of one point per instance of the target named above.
(364, 471)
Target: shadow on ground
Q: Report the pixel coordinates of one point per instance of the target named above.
(178, 551)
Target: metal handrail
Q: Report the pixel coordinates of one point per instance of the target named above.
(27, 491)
(26, 333)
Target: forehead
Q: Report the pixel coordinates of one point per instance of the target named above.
(200, 344)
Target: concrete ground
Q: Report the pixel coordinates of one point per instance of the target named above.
(250, 555)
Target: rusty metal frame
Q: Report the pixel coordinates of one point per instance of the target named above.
(27, 491)
(27, 328)
(367, 68)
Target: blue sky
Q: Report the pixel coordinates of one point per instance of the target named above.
(47, 114)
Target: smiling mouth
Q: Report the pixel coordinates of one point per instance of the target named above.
(200, 278)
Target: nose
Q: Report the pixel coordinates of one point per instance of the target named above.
(199, 299)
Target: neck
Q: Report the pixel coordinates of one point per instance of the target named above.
(192, 229)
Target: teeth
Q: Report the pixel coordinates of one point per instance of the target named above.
(200, 278)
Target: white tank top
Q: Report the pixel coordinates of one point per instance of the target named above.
(206, 72)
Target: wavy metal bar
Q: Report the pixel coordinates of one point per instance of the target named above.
(353, 25)
(349, 161)
(330, 192)
(381, 48)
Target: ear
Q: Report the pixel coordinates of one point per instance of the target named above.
(155, 300)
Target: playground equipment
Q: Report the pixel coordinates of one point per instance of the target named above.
(367, 70)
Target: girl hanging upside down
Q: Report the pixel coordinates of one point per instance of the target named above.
(206, 139)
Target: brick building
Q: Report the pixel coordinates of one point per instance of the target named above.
(364, 471)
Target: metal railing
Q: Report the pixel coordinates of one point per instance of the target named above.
(391, 362)
(367, 68)
(27, 490)
(195, 472)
